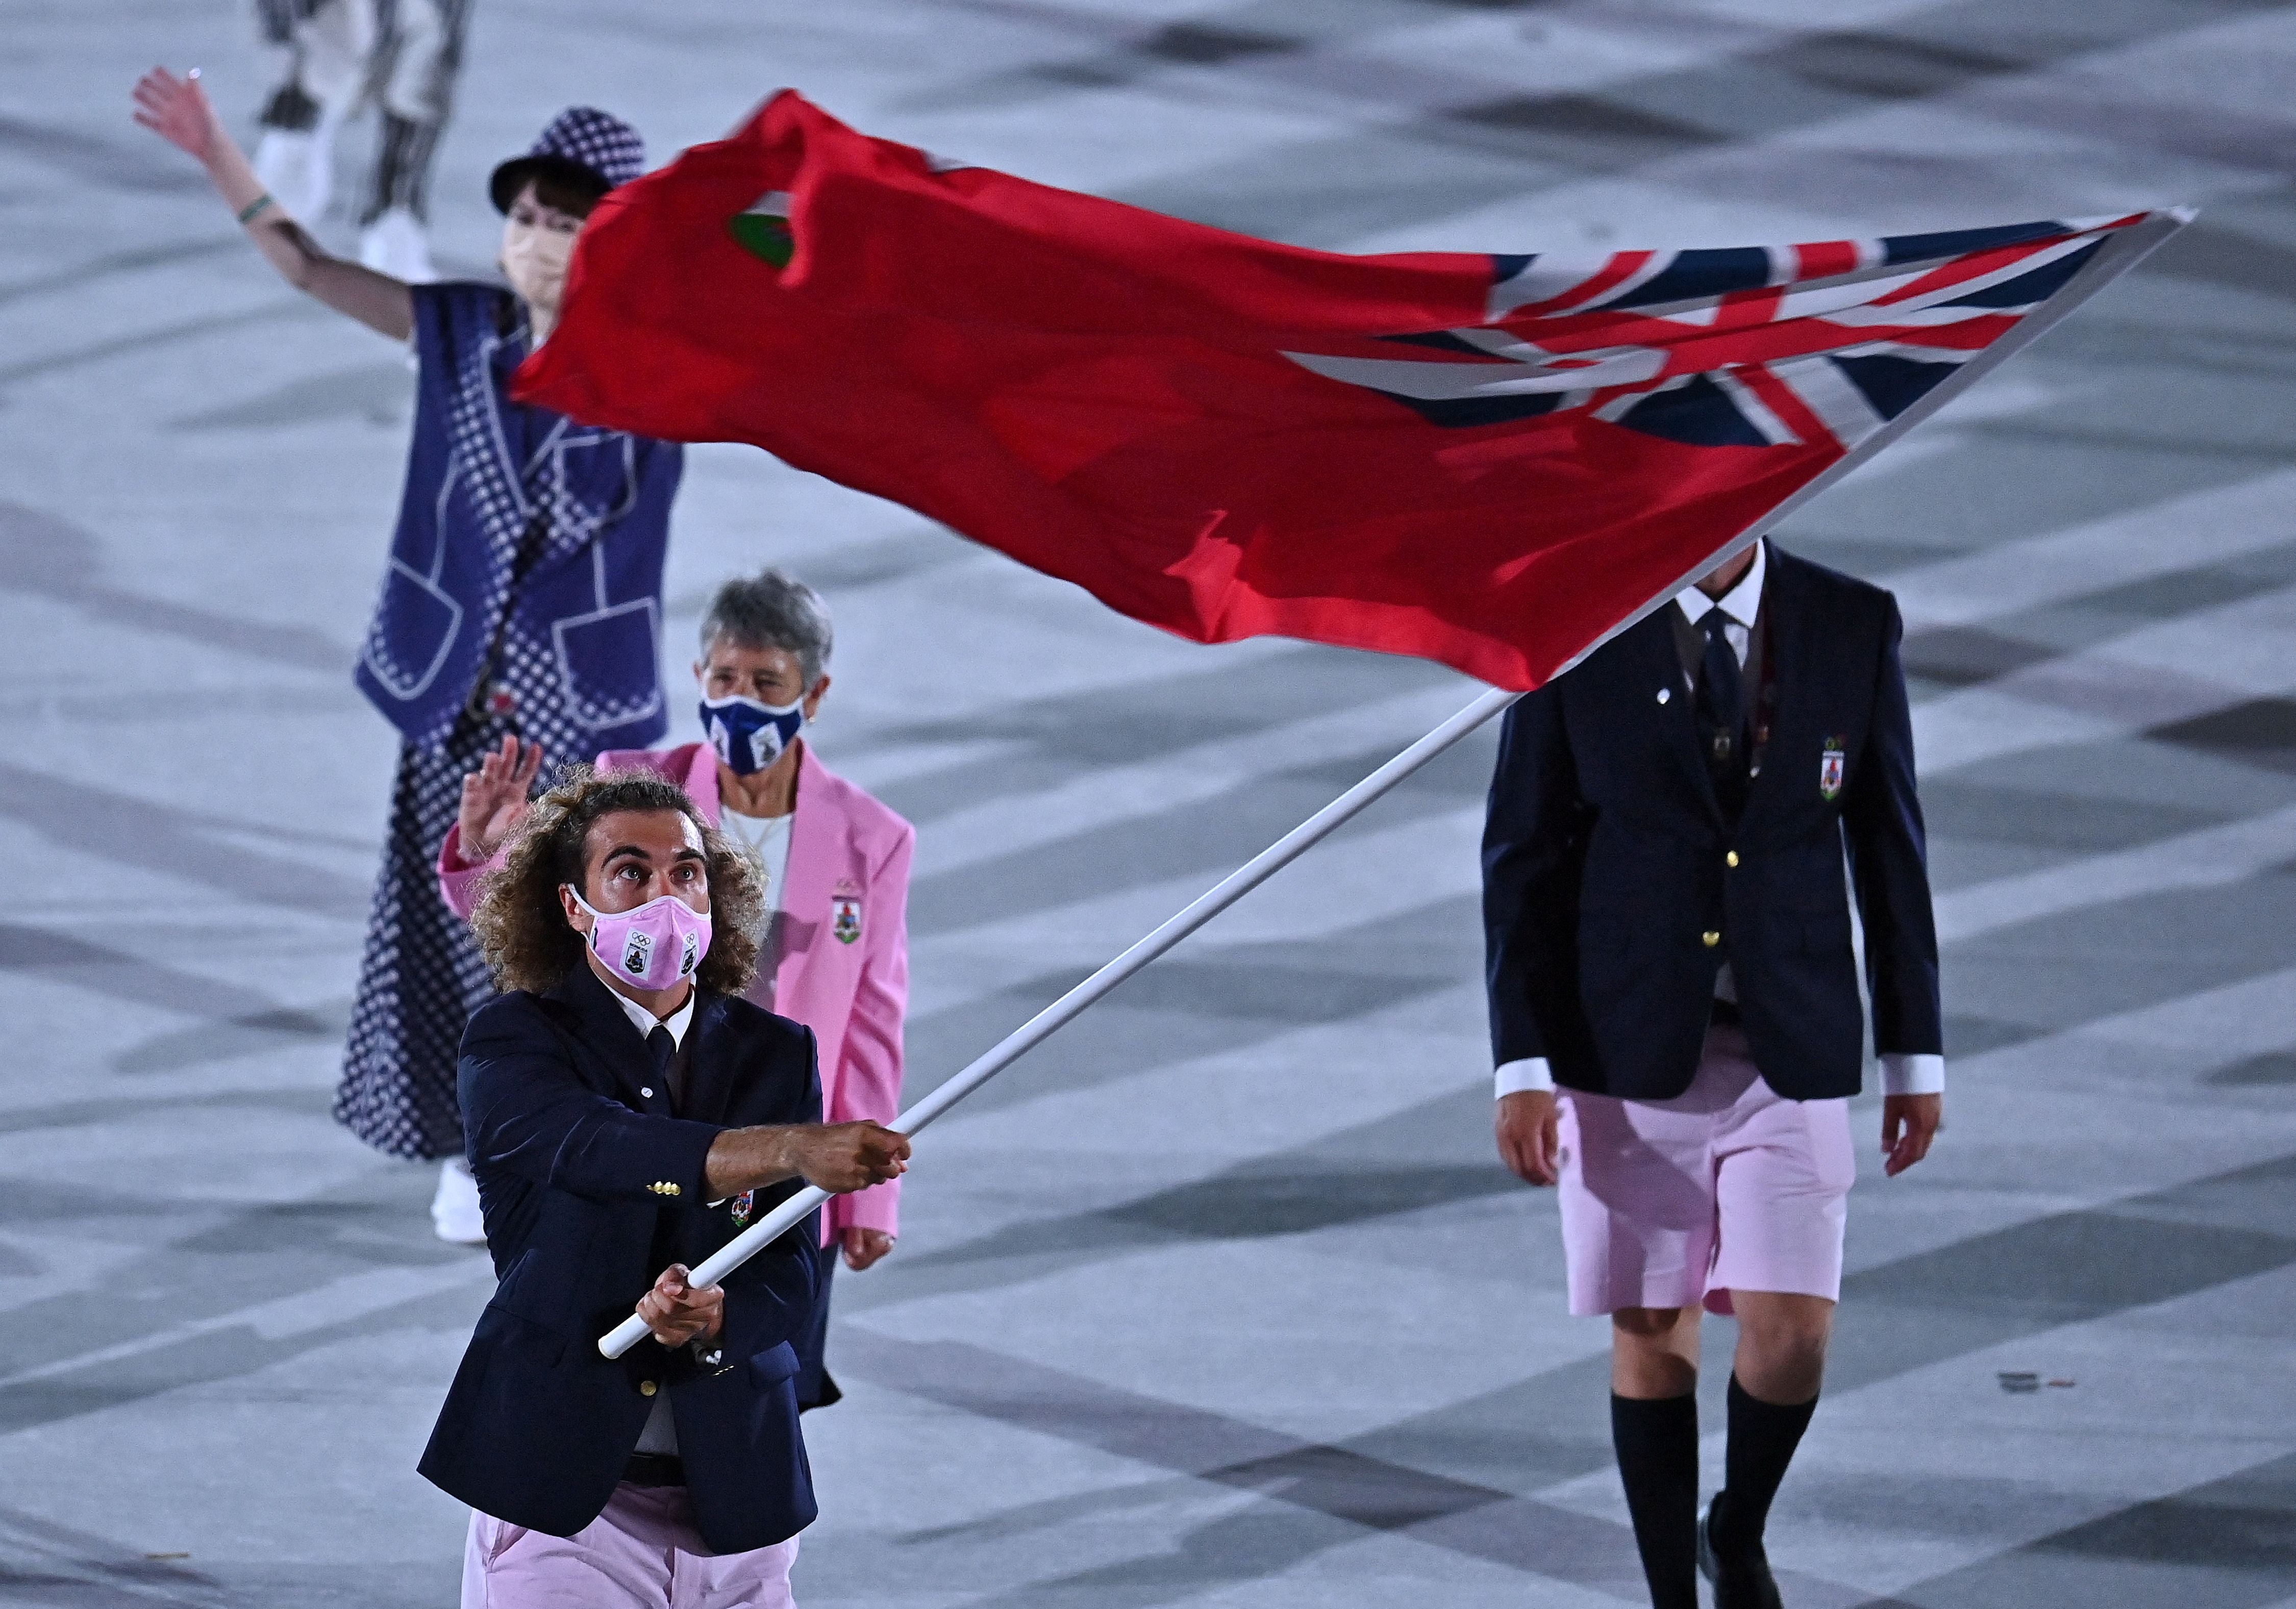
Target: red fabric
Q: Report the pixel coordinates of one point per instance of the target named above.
(1102, 393)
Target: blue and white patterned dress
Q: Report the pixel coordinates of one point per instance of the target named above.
(523, 595)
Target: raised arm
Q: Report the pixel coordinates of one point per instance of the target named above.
(177, 111)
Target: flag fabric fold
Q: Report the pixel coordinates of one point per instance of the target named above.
(1490, 460)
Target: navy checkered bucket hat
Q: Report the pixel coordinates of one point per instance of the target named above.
(582, 144)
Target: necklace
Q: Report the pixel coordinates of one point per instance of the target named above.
(752, 835)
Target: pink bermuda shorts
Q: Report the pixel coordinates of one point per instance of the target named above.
(642, 1552)
(1726, 1187)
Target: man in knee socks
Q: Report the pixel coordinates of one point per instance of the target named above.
(1675, 1012)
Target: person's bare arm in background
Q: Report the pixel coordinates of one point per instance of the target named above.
(177, 111)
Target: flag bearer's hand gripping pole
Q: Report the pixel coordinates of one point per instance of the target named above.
(1072, 1005)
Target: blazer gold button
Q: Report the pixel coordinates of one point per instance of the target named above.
(1730, 859)
(1710, 939)
(647, 1388)
(662, 1187)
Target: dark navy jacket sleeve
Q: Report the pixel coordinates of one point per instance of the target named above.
(1889, 861)
(769, 1299)
(529, 1115)
(1530, 867)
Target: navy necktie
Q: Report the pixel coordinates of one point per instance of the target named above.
(661, 1047)
(1720, 681)
(1722, 717)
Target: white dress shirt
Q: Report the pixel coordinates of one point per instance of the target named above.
(645, 1022)
(1739, 607)
(1901, 1074)
(660, 1433)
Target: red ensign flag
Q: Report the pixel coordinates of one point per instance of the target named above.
(1491, 460)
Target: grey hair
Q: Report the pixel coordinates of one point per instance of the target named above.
(771, 609)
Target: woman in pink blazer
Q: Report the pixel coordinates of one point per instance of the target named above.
(835, 863)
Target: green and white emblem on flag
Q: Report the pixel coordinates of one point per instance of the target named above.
(763, 229)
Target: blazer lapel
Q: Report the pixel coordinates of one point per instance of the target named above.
(607, 1031)
(1680, 716)
(701, 782)
(817, 836)
(709, 1063)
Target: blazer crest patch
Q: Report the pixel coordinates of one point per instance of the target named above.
(745, 1208)
(845, 912)
(1828, 769)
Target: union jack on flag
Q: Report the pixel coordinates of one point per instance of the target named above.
(1751, 346)
(1495, 462)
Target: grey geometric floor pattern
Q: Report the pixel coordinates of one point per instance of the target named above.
(1220, 1298)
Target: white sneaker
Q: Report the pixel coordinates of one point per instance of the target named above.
(296, 168)
(455, 1209)
(396, 244)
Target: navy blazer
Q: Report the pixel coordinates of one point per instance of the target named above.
(1614, 889)
(590, 1189)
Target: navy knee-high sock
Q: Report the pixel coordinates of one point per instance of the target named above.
(1763, 1436)
(1657, 1444)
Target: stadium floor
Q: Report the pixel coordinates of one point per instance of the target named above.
(1221, 1298)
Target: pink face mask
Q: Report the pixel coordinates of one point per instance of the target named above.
(652, 947)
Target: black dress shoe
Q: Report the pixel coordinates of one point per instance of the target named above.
(1742, 1580)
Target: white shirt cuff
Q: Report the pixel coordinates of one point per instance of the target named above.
(1531, 1072)
(1903, 1074)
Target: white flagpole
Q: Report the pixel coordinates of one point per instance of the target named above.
(1072, 1005)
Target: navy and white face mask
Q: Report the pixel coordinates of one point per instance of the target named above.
(749, 736)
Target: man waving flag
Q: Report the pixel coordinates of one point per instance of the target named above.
(1491, 460)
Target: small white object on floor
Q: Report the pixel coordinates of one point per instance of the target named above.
(397, 244)
(455, 1209)
(296, 168)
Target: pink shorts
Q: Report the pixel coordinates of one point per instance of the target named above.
(1726, 1187)
(642, 1552)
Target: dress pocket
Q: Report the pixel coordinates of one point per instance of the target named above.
(416, 624)
(608, 663)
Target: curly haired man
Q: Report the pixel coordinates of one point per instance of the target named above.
(628, 1113)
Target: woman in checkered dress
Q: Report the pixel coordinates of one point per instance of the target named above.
(522, 595)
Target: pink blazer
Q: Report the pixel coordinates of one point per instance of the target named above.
(844, 968)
